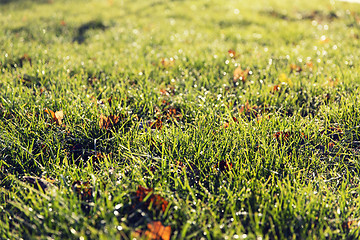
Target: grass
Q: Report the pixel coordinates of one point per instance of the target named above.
(157, 127)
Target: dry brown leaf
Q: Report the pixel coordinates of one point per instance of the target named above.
(83, 190)
(156, 201)
(156, 124)
(108, 122)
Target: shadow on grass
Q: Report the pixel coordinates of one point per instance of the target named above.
(19, 1)
(81, 35)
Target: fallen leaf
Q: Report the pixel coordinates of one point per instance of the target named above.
(352, 224)
(276, 88)
(83, 190)
(167, 62)
(282, 136)
(154, 200)
(142, 192)
(295, 68)
(332, 82)
(249, 111)
(169, 91)
(324, 39)
(108, 122)
(310, 65)
(232, 53)
(227, 123)
(223, 166)
(157, 124)
(240, 74)
(285, 80)
(158, 231)
(110, 100)
(56, 117)
(24, 58)
(173, 113)
(42, 90)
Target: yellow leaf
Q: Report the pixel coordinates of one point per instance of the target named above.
(284, 79)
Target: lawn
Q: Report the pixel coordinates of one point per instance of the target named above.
(179, 119)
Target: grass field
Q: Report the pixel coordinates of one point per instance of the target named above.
(181, 119)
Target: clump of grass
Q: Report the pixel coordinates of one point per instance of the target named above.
(216, 121)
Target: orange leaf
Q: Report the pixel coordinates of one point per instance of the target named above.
(163, 92)
(232, 53)
(332, 82)
(158, 231)
(324, 39)
(56, 117)
(295, 68)
(309, 65)
(352, 224)
(166, 63)
(240, 74)
(275, 89)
